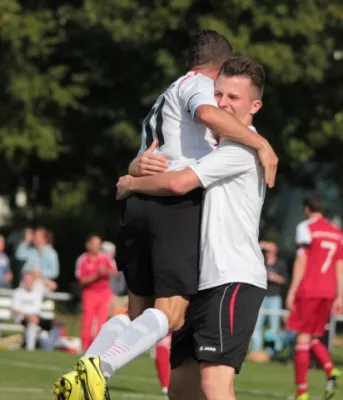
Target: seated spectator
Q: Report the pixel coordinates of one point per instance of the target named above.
(26, 306)
(277, 277)
(5, 272)
(42, 259)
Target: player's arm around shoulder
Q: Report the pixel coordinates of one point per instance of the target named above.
(229, 126)
(229, 160)
(172, 183)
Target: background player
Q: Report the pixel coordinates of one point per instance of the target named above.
(316, 291)
(161, 265)
(222, 316)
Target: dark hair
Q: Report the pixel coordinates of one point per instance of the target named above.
(49, 237)
(208, 47)
(244, 66)
(92, 236)
(314, 202)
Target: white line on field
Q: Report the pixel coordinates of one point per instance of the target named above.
(24, 364)
(21, 389)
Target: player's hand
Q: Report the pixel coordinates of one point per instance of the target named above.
(337, 308)
(151, 164)
(123, 187)
(103, 271)
(290, 301)
(269, 161)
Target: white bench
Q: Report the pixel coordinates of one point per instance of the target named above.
(47, 309)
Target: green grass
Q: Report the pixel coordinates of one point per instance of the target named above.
(29, 376)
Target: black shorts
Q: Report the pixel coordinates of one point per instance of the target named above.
(158, 244)
(219, 324)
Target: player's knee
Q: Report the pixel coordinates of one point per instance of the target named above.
(303, 338)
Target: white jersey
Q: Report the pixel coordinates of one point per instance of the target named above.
(27, 302)
(230, 250)
(182, 139)
(303, 234)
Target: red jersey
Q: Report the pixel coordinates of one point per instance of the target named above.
(322, 242)
(88, 265)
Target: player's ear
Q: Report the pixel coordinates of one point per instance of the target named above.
(256, 106)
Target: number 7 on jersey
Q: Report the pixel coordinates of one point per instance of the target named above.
(331, 247)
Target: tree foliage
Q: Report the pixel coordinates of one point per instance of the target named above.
(78, 77)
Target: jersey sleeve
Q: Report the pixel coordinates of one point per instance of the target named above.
(79, 269)
(196, 90)
(228, 160)
(303, 236)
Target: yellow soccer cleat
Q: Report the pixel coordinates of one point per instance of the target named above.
(304, 396)
(68, 387)
(332, 384)
(92, 379)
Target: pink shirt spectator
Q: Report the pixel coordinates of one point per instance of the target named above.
(88, 265)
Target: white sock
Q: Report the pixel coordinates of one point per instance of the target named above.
(31, 336)
(107, 335)
(138, 337)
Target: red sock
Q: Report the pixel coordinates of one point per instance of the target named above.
(321, 353)
(302, 365)
(162, 361)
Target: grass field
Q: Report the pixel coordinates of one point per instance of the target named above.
(29, 376)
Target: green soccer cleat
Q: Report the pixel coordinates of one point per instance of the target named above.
(68, 387)
(92, 379)
(332, 384)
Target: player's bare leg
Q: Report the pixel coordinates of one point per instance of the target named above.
(217, 381)
(138, 304)
(232, 389)
(302, 364)
(185, 382)
(175, 310)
